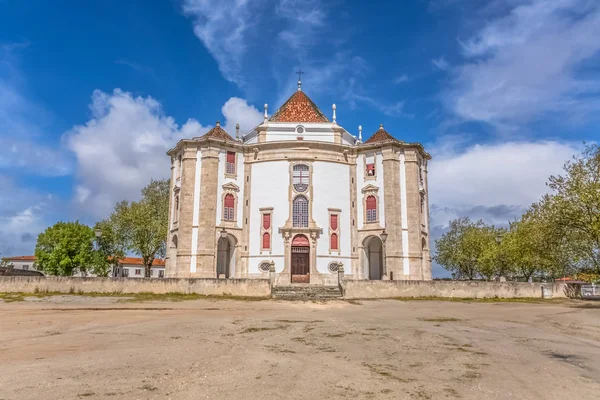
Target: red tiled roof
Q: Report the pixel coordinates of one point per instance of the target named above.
(381, 136)
(20, 258)
(299, 108)
(138, 261)
(217, 132)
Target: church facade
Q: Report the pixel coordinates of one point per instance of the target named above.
(301, 194)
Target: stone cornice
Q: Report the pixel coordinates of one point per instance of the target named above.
(248, 149)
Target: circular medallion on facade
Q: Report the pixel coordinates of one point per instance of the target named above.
(333, 267)
(300, 129)
(264, 266)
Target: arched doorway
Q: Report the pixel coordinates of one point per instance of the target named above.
(374, 257)
(300, 259)
(223, 257)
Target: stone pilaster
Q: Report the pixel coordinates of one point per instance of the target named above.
(245, 221)
(171, 258)
(393, 217)
(413, 202)
(355, 269)
(426, 262)
(207, 233)
(186, 210)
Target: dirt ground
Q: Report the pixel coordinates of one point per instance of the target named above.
(73, 347)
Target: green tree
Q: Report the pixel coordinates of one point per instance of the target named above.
(575, 205)
(65, 248)
(143, 226)
(467, 249)
(109, 247)
(493, 261)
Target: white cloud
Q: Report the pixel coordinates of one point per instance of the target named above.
(24, 213)
(441, 63)
(525, 64)
(355, 94)
(120, 149)
(495, 182)
(123, 146)
(238, 111)
(223, 27)
(401, 79)
(303, 20)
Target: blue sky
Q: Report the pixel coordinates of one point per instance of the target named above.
(501, 92)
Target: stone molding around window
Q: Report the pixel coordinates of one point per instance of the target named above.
(293, 195)
(231, 173)
(232, 189)
(266, 211)
(371, 190)
(365, 157)
(337, 213)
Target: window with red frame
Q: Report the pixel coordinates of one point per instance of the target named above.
(371, 209)
(228, 206)
(334, 241)
(266, 241)
(266, 221)
(231, 162)
(333, 221)
(371, 165)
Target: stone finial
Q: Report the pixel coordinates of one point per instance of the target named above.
(380, 127)
(266, 110)
(299, 85)
(237, 131)
(333, 107)
(360, 133)
(218, 123)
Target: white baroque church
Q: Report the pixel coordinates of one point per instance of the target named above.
(302, 194)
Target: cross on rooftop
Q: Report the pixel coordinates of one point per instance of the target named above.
(299, 72)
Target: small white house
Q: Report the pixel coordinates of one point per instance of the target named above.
(133, 267)
(128, 267)
(26, 263)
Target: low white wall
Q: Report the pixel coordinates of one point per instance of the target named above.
(363, 289)
(215, 287)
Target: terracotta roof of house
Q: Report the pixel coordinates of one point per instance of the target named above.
(299, 108)
(138, 261)
(381, 136)
(20, 258)
(217, 132)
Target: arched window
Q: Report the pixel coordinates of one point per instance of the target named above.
(266, 244)
(300, 177)
(300, 212)
(334, 241)
(371, 209)
(228, 206)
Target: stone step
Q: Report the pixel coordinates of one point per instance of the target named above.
(307, 292)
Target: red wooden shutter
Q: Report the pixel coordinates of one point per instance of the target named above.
(371, 203)
(229, 200)
(266, 241)
(266, 221)
(333, 222)
(334, 241)
(230, 157)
